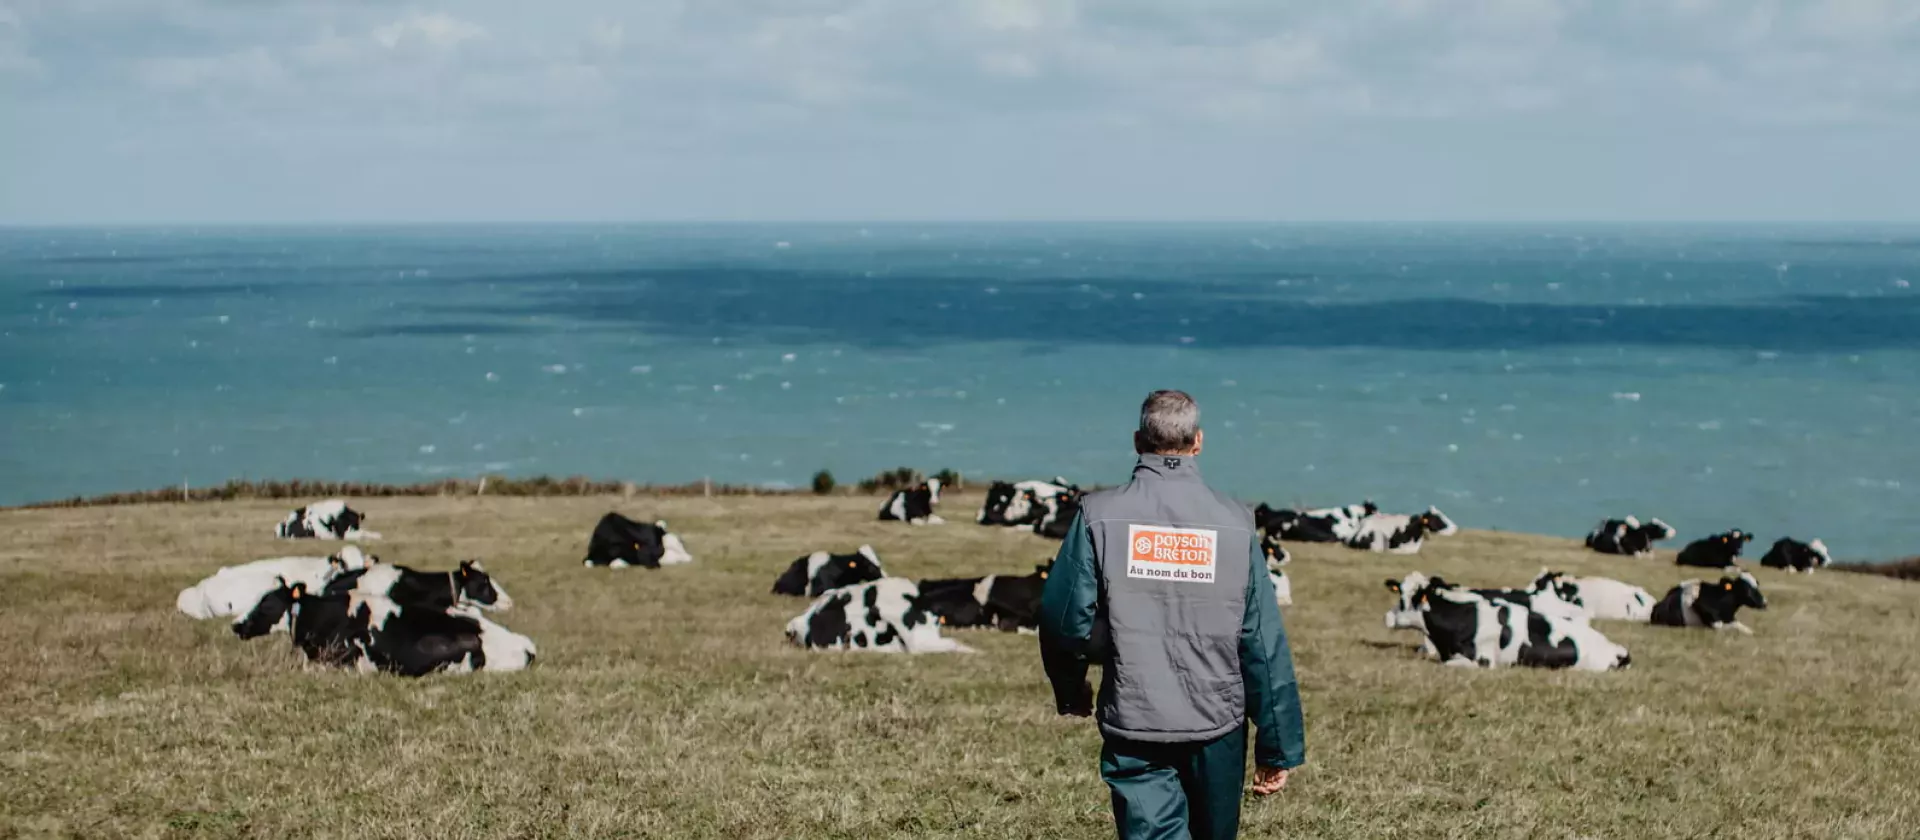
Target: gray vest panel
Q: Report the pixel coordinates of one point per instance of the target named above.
(1173, 559)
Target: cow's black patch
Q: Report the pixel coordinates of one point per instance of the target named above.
(616, 537)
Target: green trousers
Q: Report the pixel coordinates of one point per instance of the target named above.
(1176, 791)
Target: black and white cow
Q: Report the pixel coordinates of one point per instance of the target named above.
(914, 505)
(1277, 557)
(820, 571)
(619, 542)
(1060, 515)
(1796, 556)
(1004, 601)
(376, 634)
(328, 520)
(1716, 552)
(1398, 533)
(881, 615)
(1021, 503)
(1469, 630)
(468, 585)
(1325, 525)
(1600, 598)
(1628, 536)
(1406, 612)
(1710, 604)
(234, 590)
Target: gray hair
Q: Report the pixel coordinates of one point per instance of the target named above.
(1169, 422)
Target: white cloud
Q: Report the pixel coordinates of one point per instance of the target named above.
(16, 57)
(435, 31)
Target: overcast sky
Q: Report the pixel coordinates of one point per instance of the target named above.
(367, 110)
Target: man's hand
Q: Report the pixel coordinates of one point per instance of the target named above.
(1268, 780)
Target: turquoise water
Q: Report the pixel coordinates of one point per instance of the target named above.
(1529, 378)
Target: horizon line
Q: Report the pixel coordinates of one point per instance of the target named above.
(54, 225)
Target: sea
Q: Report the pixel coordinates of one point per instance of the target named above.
(1527, 377)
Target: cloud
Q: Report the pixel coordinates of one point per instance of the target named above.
(427, 31)
(16, 57)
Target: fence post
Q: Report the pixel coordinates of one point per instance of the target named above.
(706, 486)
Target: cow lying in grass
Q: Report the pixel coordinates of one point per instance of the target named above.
(618, 542)
(1326, 525)
(1719, 551)
(1796, 556)
(374, 633)
(467, 586)
(882, 616)
(234, 590)
(328, 520)
(1004, 601)
(1021, 503)
(1407, 615)
(1628, 536)
(914, 505)
(1398, 533)
(1469, 630)
(1600, 598)
(812, 575)
(1710, 604)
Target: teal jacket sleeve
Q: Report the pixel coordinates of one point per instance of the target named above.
(1069, 605)
(1266, 664)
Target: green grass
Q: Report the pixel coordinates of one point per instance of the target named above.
(668, 703)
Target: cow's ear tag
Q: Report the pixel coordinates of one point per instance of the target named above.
(1043, 575)
(296, 592)
(851, 564)
(1726, 586)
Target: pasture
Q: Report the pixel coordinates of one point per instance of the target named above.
(668, 704)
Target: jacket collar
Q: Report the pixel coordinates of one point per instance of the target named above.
(1168, 467)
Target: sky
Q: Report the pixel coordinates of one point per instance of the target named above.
(278, 111)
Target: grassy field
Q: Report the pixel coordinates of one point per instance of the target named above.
(668, 704)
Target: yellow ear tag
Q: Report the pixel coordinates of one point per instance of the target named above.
(1043, 575)
(296, 593)
(1726, 586)
(851, 564)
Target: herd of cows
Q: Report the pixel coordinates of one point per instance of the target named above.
(350, 610)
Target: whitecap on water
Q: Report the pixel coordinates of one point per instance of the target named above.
(783, 245)
(492, 377)
(579, 412)
(640, 369)
(224, 319)
(426, 449)
(1186, 339)
(1708, 426)
(788, 357)
(555, 368)
(1627, 396)
(786, 386)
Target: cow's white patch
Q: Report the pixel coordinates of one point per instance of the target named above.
(1182, 555)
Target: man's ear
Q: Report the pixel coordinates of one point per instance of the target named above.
(1199, 440)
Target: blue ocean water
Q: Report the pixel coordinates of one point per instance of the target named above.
(1529, 378)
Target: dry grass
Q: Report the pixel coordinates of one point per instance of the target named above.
(667, 704)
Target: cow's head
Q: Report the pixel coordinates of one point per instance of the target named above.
(932, 486)
(348, 559)
(1368, 508)
(1275, 552)
(1657, 530)
(1406, 609)
(671, 549)
(274, 611)
(859, 567)
(1559, 585)
(1734, 540)
(476, 587)
(1744, 589)
(1819, 551)
(1438, 523)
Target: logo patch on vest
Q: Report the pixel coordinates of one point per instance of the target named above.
(1185, 555)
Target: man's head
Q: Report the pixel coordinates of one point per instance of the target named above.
(1169, 425)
